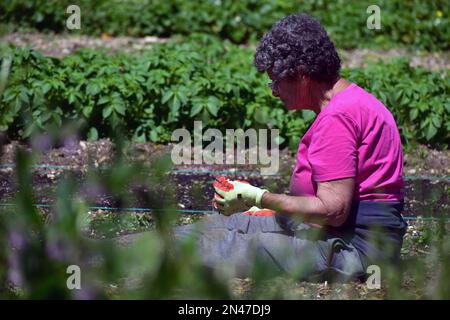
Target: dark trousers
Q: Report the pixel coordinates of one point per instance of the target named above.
(239, 243)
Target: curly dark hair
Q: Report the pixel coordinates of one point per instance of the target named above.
(298, 44)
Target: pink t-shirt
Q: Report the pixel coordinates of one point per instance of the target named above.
(354, 136)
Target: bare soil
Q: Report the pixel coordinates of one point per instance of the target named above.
(427, 186)
(424, 197)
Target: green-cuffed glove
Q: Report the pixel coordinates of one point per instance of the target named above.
(239, 198)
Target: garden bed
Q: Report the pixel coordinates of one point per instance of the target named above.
(194, 191)
(426, 188)
(59, 45)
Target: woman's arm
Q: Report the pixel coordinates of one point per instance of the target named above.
(332, 154)
(330, 206)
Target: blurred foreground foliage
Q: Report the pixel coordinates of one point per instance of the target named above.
(39, 245)
(153, 92)
(415, 24)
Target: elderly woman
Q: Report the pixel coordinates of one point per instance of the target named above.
(344, 208)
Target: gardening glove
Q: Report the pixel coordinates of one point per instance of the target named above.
(255, 211)
(234, 196)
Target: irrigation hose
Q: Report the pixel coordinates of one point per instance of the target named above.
(188, 211)
(191, 211)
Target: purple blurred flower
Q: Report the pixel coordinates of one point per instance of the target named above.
(15, 277)
(85, 293)
(14, 269)
(17, 240)
(60, 250)
(17, 243)
(92, 190)
(71, 143)
(55, 251)
(42, 142)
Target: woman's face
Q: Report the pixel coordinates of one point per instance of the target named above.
(294, 92)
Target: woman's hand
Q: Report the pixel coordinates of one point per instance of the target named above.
(240, 196)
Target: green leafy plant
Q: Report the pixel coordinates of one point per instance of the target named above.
(39, 245)
(152, 93)
(418, 98)
(416, 24)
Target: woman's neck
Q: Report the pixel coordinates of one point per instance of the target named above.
(328, 93)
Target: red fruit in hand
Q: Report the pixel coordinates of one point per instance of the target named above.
(261, 213)
(223, 184)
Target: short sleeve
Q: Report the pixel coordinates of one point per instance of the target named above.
(332, 152)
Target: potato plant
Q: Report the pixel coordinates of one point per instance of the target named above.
(151, 93)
